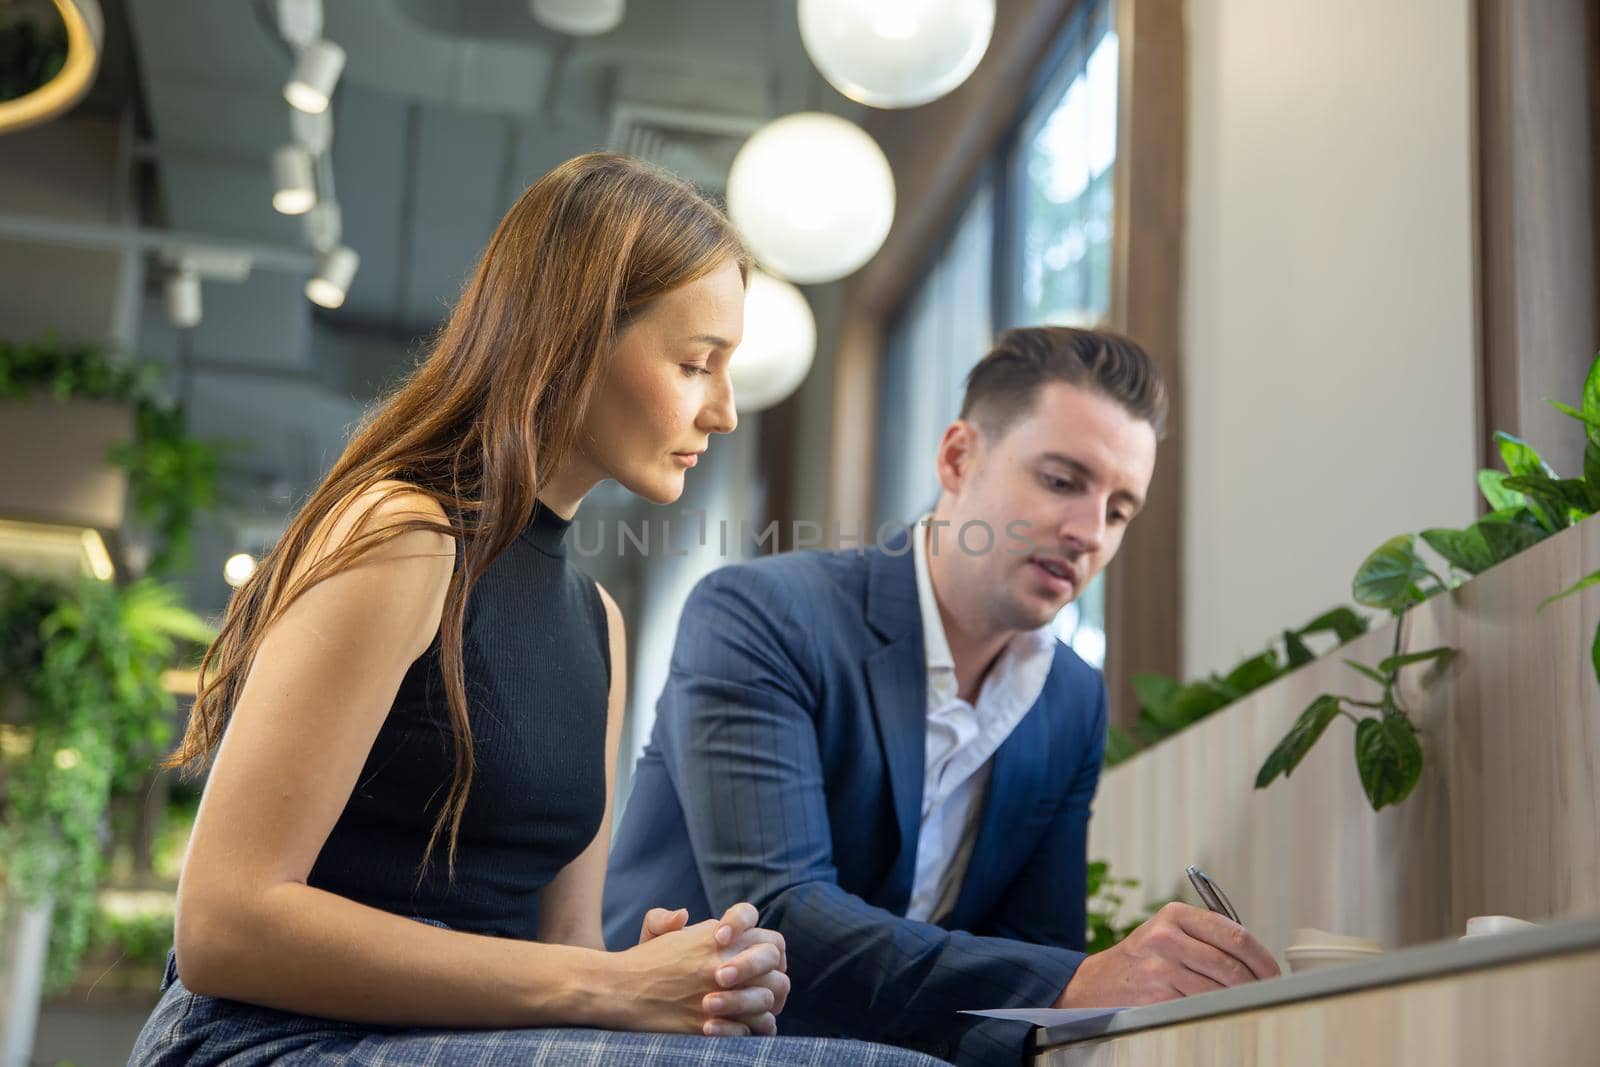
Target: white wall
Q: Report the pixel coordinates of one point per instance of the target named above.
(1328, 309)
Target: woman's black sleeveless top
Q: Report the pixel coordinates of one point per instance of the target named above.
(537, 669)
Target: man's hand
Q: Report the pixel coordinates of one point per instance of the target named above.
(1181, 951)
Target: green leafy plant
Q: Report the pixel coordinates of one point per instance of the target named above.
(172, 477)
(1167, 706)
(85, 712)
(1388, 755)
(135, 929)
(1528, 502)
(1588, 413)
(1105, 907)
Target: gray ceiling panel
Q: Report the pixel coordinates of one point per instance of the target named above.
(369, 161)
(216, 41)
(458, 179)
(263, 321)
(226, 200)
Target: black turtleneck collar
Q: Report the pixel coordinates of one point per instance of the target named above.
(547, 532)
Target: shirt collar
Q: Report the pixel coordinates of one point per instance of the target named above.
(1033, 646)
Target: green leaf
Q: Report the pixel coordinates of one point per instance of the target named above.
(1464, 550)
(1568, 409)
(1388, 758)
(1253, 673)
(1520, 457)
(1387, 579)
(1567, 498)
(1492, 484)
(1368, 672)
(1594, 653)
(1591, 464)
(1194, 702)
(1298, 741)
(1578, 586)
(1155, 691)
(1505, 538)
(1394, 663)
(1591, 394)
(1298, 652)
(1345, 622)
(1120, 746)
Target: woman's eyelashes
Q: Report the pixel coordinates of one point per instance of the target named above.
(692, 369)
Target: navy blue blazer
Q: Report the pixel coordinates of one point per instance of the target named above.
(785, 768)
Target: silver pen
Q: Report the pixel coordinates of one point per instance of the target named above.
(1211, 894)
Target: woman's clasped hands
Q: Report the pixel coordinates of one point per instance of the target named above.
(721, 977)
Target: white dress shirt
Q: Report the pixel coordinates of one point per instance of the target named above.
(962, 737)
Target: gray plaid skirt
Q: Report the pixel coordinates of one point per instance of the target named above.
(189, 1030)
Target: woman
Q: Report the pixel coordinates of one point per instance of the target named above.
(413, 707)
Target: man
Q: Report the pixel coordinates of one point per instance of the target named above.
(890, 754)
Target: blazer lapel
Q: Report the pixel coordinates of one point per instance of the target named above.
(1017, 778)
(897, 681)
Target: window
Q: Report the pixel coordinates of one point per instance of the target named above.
(941, 333)
(1063, 170)
(1034, 245)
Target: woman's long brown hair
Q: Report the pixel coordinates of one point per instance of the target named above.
(496, 407)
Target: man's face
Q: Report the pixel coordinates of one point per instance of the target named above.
(1057, 488)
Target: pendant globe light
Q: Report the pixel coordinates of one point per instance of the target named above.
(780, 341)
(580, 18)
(896, 53)
(813, 196)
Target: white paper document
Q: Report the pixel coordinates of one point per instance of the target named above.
(1046, 1016)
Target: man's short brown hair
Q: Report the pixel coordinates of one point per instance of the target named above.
(1005, 383)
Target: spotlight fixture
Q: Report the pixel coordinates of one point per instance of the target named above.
(316, 72)
(182, 297)
(335, 271)
(312, 129)
(293, 181)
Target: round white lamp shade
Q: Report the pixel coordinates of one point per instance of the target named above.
(780, 341)
(581, 18)
(813, 196)
(896, 53)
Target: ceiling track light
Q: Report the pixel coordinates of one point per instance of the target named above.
(335, 271)
(312, 129)
(299, 21)
(316, 72)
(293, 180)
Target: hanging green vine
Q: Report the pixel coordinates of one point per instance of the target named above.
(83, 712)
(86, 713)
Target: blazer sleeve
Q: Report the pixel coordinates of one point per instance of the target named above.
(1046, 903)
(735, 725)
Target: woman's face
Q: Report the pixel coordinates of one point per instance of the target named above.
(665, 389)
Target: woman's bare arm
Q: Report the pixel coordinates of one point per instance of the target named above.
(569, 907)
(248, 927)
